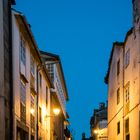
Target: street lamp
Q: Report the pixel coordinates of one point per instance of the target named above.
(56, 112)
(32, 111)
(95, 131)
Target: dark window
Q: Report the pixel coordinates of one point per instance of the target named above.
(118, 67)
(118, 128)
(40, 115)
(127, 137)
(127, 126)
(32, 66)
(22, 51)
(118, 95)
(46, 95)
(22, 102)
(40, 80)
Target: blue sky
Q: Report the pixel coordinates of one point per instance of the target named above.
(81, 32)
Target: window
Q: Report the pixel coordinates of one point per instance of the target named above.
(40, 115)
(127, 129)
(22, 93)
(32, 75)
(127, 137)
(32, 66)
(32, 101)
(127, 93)
(118, 128)
(46, 95)
(127, 58)
(51, 71)
(118, 96)
(22, 51)
(118, 67)
(22, 102)
(32, 115)
(127, 126)
(40, 79)
(32, 118)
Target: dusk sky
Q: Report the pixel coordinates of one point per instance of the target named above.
(82, 33)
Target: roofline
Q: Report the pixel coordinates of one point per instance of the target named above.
(59, 61)
(106, 78)
(111, 55)
(23, 18)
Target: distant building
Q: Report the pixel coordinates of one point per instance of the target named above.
(84, 137)
(98, 123)
(123, 79)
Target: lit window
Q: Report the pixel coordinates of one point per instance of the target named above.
(127, 94)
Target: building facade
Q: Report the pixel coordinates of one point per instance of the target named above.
(98, 123)
(59, 96)
(31, 84)
(123, 79)
(39, 88)
(6, 93)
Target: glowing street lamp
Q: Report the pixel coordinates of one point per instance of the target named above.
(95, 131)
(56, 111)
(32, 111)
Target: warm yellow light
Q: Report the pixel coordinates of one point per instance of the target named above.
(95, 131)
(44, 110)
(32, 111)
(56, 111)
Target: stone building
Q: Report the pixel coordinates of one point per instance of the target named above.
(39, 87)
(31, 84)
(6, 94)
(123, 79)
(98, 123)
(59, 95)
